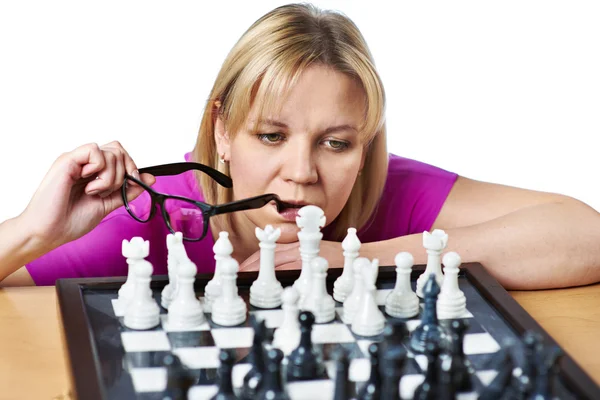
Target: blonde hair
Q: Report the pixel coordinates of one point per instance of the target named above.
(264, 64)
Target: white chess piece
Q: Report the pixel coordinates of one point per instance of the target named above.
(266, 290)
(402, 302)
(287, 336)
(342, 286)
(185, 311)
(368, 320)
(230, 309)
(451, 302)
(170, 289)
(318, 301)
(128, 288)
(222, 250)
(353, 300)
(310, 220)
(434, 243)
(142, 312)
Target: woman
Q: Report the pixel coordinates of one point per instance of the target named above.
(297, 110)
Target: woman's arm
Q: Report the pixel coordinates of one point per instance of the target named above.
(18, 248)
(526, 239)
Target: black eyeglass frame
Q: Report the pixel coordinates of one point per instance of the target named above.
(208, 210)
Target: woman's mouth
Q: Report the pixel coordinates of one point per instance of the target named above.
(288, 210)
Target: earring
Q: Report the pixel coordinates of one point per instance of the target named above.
(222, 158)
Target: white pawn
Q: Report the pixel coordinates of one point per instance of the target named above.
(287, 336)
(230, 309)
(402, 302)
(266, 290)
(451, 302)
(434, 243)
(168, 293)
(368, 320)
(185, 311)
(353, 300)
(222, 250)
(342, 286)
(142, 312)
(318, 301)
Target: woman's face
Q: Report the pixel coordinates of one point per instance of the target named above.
(309, 153)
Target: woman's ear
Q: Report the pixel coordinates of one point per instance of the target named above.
(222, 140)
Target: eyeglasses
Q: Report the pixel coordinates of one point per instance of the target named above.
(181, 214)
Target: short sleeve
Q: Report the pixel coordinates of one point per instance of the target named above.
(412, 199)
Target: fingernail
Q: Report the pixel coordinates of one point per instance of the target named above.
(136, 174)
(93, 192)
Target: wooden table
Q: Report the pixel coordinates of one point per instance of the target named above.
(32, 363)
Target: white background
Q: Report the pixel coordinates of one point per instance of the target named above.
(507, 92)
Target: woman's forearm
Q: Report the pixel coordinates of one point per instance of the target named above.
(545, 246)
(17, 246)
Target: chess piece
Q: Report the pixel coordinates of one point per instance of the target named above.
(368, 320)
(342, 286)
(168, 293)
(227, 360)
(429, 388)
(391, 366)
(287, 336)
(402, 302)
(126, 290)
(462, 370)
(272, 387)
(304, 362)
(452, 302)
(371, 389)
(265, 291)
(318, 301)
(353, 300)
(434, 243)
(310, 220)
(343, 388)
(231, 309)
(142, 312)
(179, 379)
(185, 310)
(254, 377)
(429, 331)
(222, 250)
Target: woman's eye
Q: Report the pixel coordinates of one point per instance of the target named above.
(337, 144)
(269, 137)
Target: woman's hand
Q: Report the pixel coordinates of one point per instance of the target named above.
(80, 189)
(287, 256)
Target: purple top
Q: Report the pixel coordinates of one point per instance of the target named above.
(413, 196)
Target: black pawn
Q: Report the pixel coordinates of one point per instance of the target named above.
(429, 388)
(342, 381)
(253, 378)
(462, 370)
(498, 388)
(227, 360)
(179, 380)
(391, 367)
(371, 390)
(272, 386)
(429, 331)
(304, 362)
(446, 388)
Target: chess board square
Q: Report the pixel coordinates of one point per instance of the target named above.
(199, 357)
(145, 341)
(331, 333)
(486, 377)
(311, 390)
(328, 350)
(480, 343)
(408, 384)
(360, 369)
(381, 295)
(164, 320)
(149, 379)
(202, 392)
(272, 318)
(145, 359)
(228, 338)
(191, 339)
(238, 373)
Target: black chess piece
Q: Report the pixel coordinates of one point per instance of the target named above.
(342, 381)
(371, 389)
(395, 333)
(462, 370)
(253, 378)
(272, 387)
(546, 363)
(179, 379)
(446, 388)
(391, 365)
(429, 388)
(499, 387)
(227, 360)
(531, 342)
(304, 361)
(429, 331)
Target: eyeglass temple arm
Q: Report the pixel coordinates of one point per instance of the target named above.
(178, 168)
(246, 204)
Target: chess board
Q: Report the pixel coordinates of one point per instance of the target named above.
(111, 361)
